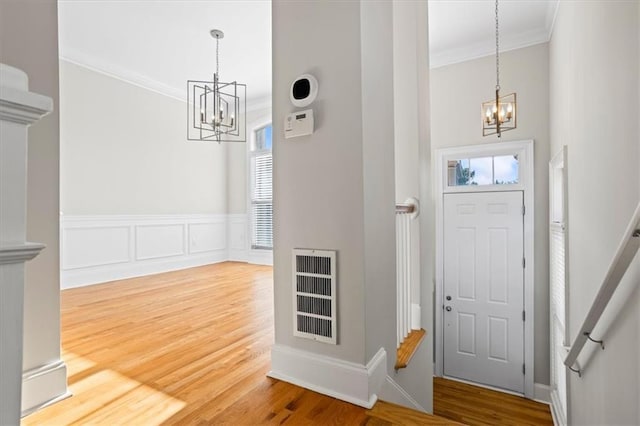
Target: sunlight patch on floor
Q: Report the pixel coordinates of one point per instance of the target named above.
(106, 395)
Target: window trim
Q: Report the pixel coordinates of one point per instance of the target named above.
(261, 256)
(481, 151)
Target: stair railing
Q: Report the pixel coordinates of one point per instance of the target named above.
(621, 260)
(405, 213)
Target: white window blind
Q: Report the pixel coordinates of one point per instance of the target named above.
(261, 190)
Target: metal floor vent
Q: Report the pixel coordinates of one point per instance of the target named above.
(314, 295)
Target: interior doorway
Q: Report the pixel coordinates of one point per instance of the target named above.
(484, 313)
(483, 286)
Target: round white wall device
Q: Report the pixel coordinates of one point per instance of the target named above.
(304, 90)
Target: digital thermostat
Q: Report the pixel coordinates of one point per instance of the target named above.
(298, 124)
(304, 90)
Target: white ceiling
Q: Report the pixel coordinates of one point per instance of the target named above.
(460, 30)
(160, 44)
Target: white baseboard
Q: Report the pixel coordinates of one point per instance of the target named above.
(393, 392)
(347, 381)
(557, 413)
(260, 257)
(98, 275)
(542, 393)
(43, 386)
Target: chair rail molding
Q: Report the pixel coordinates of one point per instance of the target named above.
(19, 108)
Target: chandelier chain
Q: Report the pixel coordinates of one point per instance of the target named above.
(217, 56)
(497, 50)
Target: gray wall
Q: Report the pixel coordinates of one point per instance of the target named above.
(335, 189)
(29, 41)
(456, 94)
(318, 180)
(594, 74)
(124, 151)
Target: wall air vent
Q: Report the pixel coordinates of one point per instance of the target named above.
(314, 295)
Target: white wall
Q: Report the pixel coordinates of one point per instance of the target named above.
(29, 41)
(124, 151)
(412, 158)
(594, 110)
(456, 94)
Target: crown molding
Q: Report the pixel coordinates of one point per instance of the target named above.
(126, 75)
(550, 19)
(482, 48)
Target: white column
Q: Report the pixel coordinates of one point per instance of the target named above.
(18, 109)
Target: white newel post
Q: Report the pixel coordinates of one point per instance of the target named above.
(19, 108)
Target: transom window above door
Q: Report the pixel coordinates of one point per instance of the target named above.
(492, 170)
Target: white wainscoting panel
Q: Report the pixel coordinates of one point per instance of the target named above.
(238, 241)
(154, 241)
(97, 249)
(207, 237)
(109, 245)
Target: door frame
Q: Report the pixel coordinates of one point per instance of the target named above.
(524, 150)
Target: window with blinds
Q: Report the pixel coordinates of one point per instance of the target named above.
(261, 168)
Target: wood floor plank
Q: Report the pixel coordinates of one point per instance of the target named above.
(192, 347)
(474, 405)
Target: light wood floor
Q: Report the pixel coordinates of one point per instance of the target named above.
(192, 347)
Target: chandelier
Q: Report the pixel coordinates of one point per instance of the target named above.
(216, 111)
(499, 114)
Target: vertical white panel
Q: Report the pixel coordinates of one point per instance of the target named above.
(466, 245)
(467, 333)
(498, 338)
(557, 272)
(498, 267)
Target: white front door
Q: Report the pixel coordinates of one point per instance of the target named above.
(484, 288)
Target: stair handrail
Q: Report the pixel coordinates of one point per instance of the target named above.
(621, 260)
(410, 206)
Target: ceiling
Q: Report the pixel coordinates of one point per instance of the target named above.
(460, 30)
(160, 44)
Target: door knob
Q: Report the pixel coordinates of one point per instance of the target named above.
(448, 308)
(448, 297)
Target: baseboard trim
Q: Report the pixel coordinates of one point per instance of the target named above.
(101, 274)
(344, 380)
(394, 393)
(43, 386)
(558, 416)
(542, 393)
(260, 257)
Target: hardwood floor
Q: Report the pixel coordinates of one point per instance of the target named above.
(187, 347)
(192, 347)
(473, 405)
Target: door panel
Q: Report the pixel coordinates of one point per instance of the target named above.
(484, 288)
